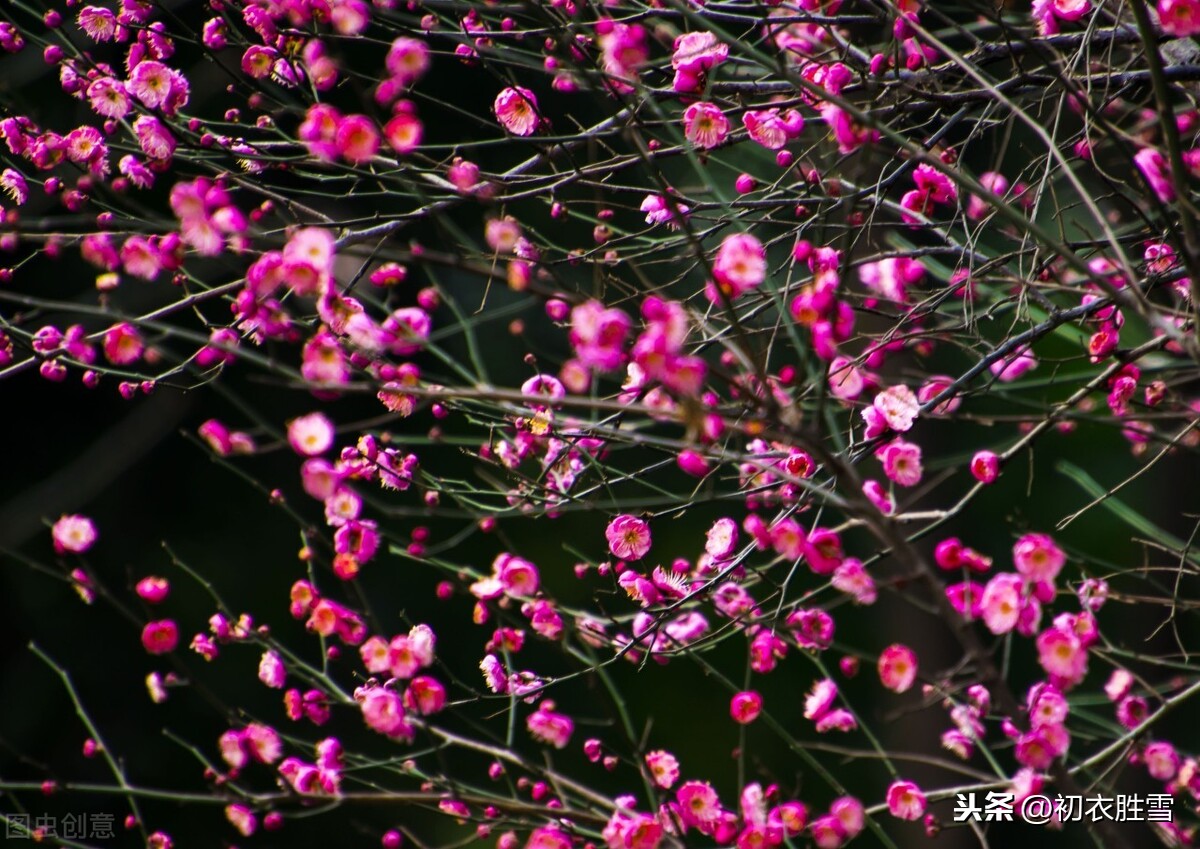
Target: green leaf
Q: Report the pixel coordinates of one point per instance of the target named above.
(1126, 513)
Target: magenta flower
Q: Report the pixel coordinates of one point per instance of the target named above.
(1002, 602)
(823, 549)
(1119, 685)
(140, 258)
(271, 670)
(790, 816)
(1157, 172)
(383, 712)
(1070, 10)
(852, 578)
(123, 344)
(155, 139)
(408, 653)
(624, 52)
(898, 406)
(977, 206)
(425, 695)
(692, 463)
(659, 210)
(698, 804)
(901, 462)
(357, 139)
(1038, 558)
(258, 61)
(548, 726)
(898, 667)
(215, 34)
(75, 534)
(705, 125)
(108, 98)
(241, 818)
(820, 699)
(502, 234)
(827, 832)
(905, 800)
(722, 539)
(1063, 656)
(837, 719)
(407, 60)
(406, 330)
(664, 768)
(878, 496)
(628, 537)
(311, 435)
(153, 589)
(357, 539)
(84, 145)
(745, 707)
(518, 576)
(850, 136)
(850, 814)
(543, 390)
(740, 265)
(403, 132)
(1010, 369)
(1179, 18)
(463, 175)
(493, 674)
(99, 23)
(769, 129)
(598, 335)
(985, 466)
(160, 637)
(846, 380)
(318, 131)
(1162, 760)
(135, 171)
(14, 185)
(546, 837)
(516, 109)
(696, 53)
(150, 82)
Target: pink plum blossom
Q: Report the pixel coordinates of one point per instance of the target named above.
(905, 800)
(1038, 558)
(985, 466)
(1179, 18)
(628, 537)
(901, 462)
(898, 406)
(745, 707)
(740, 265)
(516, 109)
(75, 534)
(311, 434)
(722, 539)
(705, 125)
(898, 667)
(1002, 602)
(663, 767)
(548, 726)
(160, 637)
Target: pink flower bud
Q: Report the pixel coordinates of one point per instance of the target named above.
(692, 463)
(153, 589)
(745, 707)
(985, 466)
